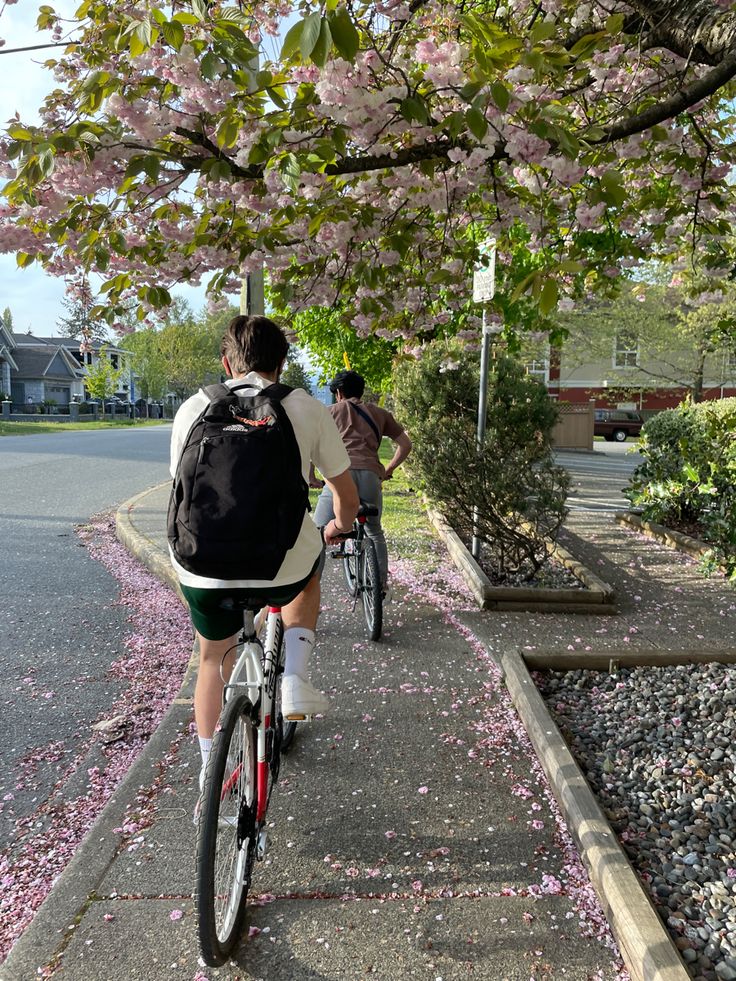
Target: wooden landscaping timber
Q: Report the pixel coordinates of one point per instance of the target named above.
(643, 940)
(677, 540)
(596, 597)
(611, 660)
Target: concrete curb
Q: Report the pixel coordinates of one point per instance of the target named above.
(147, 553)
(677, 540)
(645, 944)
(48, 933)
(597, 597)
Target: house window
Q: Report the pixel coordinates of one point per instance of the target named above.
(537, 368)
(731, 363)
(626, 350)
(114, 361)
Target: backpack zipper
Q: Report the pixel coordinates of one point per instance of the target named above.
(204, 441)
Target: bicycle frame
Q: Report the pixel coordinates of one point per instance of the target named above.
(256, 671)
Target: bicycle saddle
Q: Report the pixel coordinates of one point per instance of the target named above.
(367, 510)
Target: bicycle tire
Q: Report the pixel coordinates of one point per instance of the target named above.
(227, 828)
(287, 739)
(371, 593)
(350, 571)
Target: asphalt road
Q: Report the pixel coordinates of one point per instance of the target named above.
(598, 478)
(58, 630)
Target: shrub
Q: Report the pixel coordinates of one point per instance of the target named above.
(513, 481)
(689, 473)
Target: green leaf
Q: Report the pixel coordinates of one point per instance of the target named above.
(226, 133)
(292, 40)
(23, 259)
(151, 167)
(548, 297)
(310, 34)
(102, 258)
(174, 34)
(344, 34)
(587, 44)
(615, 23)
(208, 65)
(414, 109)
(199, 9)
(477, 123)
(323, 45)
(16, 132)
(500, 95)
(542, 30)
(117, 241)
(183, 17)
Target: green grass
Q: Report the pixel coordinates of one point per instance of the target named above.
(25, 428)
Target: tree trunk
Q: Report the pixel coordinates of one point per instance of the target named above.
(698, 376)
(695, 29)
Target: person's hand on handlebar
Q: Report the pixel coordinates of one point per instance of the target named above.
(334, 534)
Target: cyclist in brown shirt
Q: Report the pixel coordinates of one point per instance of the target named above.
(362, 427)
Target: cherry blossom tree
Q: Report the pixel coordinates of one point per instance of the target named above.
(364, 154)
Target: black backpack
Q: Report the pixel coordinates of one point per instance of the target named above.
(239, 498)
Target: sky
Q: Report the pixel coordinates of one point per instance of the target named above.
(34, 298)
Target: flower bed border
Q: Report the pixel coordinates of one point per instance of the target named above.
(645, 944)
(596, 596)
(677, 540)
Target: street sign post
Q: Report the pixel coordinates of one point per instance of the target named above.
(484, 287)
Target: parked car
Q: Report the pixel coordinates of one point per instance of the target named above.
(617, 424)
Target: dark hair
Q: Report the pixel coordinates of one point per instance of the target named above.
(350, 383)
(254, 344)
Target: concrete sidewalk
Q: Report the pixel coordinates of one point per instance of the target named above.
(412, 836)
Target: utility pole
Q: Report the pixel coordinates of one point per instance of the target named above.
(484, 286)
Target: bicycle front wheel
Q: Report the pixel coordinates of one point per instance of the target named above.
(226, 835)
(371, 594)
(350, 569)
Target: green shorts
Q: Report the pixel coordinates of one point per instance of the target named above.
(218, 613)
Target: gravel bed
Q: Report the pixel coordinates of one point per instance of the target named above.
(658, 748)
(552, 575)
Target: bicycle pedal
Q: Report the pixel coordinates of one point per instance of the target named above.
(297, 717)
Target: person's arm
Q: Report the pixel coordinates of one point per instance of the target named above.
(402, 451)
(345, 503)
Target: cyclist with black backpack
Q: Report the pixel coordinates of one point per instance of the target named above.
(362, 426)
(238, 522)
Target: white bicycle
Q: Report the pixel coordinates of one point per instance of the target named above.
(242, 769)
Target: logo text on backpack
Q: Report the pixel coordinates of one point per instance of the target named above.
(266, 421)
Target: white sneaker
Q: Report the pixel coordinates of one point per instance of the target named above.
(299, 699)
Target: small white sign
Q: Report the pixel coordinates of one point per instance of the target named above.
(484, 277)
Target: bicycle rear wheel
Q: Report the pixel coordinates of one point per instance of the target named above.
(350, 568)
(226, 835)
(371, 594)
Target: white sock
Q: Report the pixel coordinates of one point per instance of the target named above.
(205, 745)
(299, 643)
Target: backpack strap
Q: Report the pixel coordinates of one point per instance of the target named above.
(364, 415)
(216, 391)
(219, 390)
(277, 391)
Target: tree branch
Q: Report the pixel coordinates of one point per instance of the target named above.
(678, 102)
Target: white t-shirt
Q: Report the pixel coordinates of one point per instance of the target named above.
(319, 443)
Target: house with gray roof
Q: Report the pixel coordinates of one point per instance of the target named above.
(53, 369)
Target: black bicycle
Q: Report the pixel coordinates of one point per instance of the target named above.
(362, 575)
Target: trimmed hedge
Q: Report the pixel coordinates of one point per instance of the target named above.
(689, 473)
